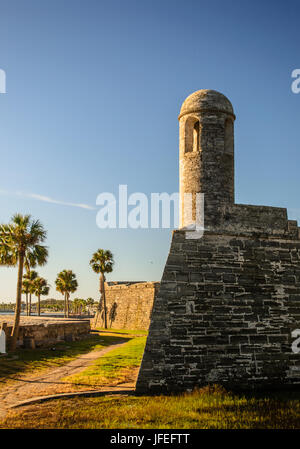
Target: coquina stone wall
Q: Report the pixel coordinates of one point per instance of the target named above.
(129, 304)
(225, 314)
(45, 334)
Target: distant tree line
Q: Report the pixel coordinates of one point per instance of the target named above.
(9, 306)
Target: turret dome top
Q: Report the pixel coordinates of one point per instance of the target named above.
(206, 99)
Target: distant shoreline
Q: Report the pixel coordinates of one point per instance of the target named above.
(10, 312)
(47, 315)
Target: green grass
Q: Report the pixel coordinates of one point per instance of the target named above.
(25, 361)
(208, 408)
(115, 367)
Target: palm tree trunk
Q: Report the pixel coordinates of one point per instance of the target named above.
(29, 304)
(104, 299)
(26, 303)
(39, 305)
(67, 305)
(15, 331)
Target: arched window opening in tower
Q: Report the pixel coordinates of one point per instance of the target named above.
(192, 135)
(196, 137)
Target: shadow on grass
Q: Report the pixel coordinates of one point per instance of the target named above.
(30, 360)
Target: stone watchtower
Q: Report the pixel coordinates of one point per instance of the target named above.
(206, 146)
(229, 303)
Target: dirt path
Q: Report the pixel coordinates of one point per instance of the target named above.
(49, 382)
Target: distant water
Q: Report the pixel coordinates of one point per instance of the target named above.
(32, 314)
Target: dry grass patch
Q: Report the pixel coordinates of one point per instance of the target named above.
(208, 408)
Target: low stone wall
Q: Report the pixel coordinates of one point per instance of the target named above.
(129, 305)
(44, 333)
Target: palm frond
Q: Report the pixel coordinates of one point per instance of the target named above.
(102, 261)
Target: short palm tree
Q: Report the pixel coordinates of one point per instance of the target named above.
(40, 287)
(76, 303)
(25, 289)
(83, 305)
(33, 257)
(89, 302)
(102, 262)
(66, 284)
(18, 238)
(28, 287)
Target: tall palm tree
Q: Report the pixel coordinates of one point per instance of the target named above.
(66, 284)
(102, 262)
(28, 286)
(40, 287)
(21, 236)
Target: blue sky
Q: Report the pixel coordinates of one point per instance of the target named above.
(94, 89)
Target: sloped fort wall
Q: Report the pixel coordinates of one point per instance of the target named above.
(225, 313)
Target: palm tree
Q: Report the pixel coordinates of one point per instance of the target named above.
(82, 306)
(66, 284)
(28, 286)
(102, 262)
(33, 257)
(76, 303)
(18, 238)
(40, 287)
(25, 289)
(89, 302)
